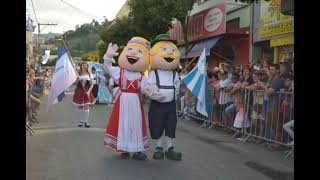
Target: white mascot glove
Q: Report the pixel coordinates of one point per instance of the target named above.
(111, 52)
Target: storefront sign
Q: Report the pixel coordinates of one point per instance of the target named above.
(272, 22)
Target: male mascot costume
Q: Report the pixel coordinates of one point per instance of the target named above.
(162, 87)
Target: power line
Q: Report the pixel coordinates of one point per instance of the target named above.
(34, 12)
(82, 11)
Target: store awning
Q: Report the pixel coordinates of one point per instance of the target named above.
(197, 48)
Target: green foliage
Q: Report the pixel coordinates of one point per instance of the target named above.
(84, 39)
(151, 17)
(147, 18)
(52, 61)
(120, 31)
(89, 56)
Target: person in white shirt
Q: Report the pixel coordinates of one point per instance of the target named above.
(163, 88)
(224, 98)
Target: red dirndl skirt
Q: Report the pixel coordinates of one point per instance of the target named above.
(80, 98)
(111, 133)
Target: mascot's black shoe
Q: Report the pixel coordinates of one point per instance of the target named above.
(125, 155)
(171, 154)
(158, 155)
(139, 156)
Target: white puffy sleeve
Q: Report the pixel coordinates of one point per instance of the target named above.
(149, 85)
(113, 71)
(150, 88)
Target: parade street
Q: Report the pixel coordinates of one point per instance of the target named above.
(62, 151)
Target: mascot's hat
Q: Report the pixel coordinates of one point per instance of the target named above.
(162, 37)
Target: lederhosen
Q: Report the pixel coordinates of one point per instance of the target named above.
(162, 116)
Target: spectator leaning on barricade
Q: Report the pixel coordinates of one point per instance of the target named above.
(38, 90)
(246, 81)
(257, 118)
(273, 124)
(247, 77)
(231, 110)
(287, 101)
(257, 66)
(265, 64)
(224, 97)
(31, 101)
(34, 104)
(214, 95)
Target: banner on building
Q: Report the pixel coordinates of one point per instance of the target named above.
(272, 22)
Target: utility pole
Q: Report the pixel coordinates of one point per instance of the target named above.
(43, 24)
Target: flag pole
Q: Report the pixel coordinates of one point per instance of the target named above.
(70, 59)
(184, 69)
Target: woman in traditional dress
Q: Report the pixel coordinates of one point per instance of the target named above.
(83, 97)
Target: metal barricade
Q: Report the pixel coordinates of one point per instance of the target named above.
(267, 120)
(250, 113)
(186, 107)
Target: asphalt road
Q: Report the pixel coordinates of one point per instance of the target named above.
(61, 151)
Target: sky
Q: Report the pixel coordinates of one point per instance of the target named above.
(58, 12)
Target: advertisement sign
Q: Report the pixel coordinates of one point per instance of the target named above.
(272, 22)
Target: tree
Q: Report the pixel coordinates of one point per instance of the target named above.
(101, 48)
(119, 32)
(84, 38)
(151, 17)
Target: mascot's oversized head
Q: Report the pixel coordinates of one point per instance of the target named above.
(164, 53)
(135, 56)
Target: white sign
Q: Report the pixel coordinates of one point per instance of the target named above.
(213, 19)
(46, 56)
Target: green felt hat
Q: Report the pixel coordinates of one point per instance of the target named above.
(162, 37)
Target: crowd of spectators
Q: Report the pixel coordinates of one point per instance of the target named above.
(258, 96)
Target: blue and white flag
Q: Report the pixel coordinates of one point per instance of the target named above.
(197, 82)
(63, 77)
